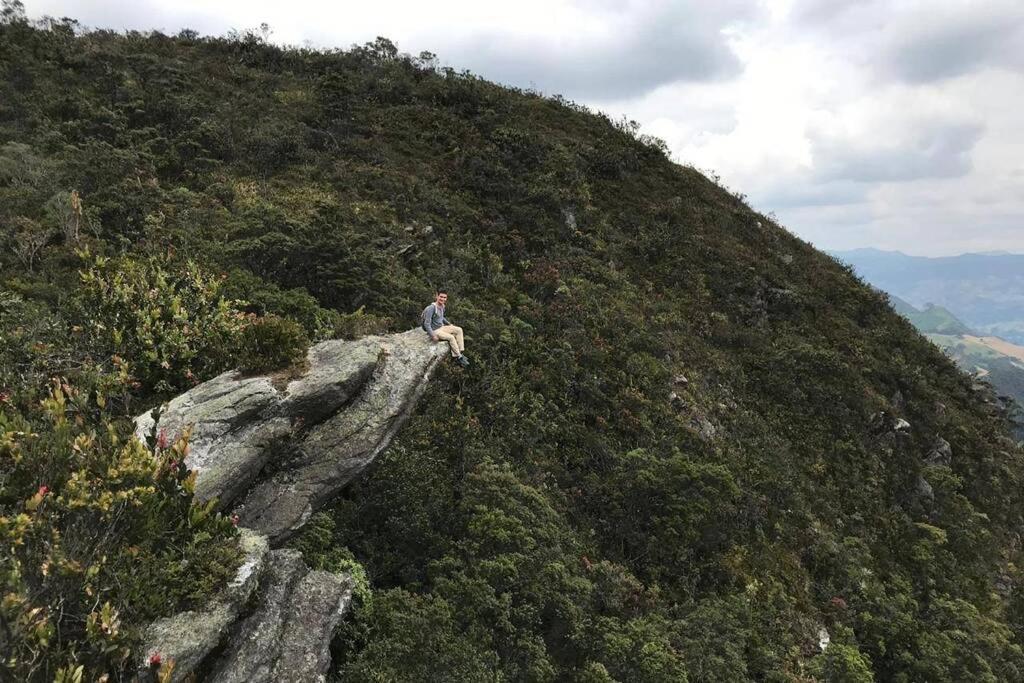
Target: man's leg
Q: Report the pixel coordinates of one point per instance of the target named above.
(445, 334)
(458, 338)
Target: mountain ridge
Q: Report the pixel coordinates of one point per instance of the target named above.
(689, 447)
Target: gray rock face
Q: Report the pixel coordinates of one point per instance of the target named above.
(284, 635)
(276, 455)
(188, 637)
(941, 454)
(334, 451)
(288, 635)
(316, 434)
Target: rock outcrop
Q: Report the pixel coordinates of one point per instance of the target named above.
(275, 453)
(188, 637)
(288, 635)
(273, 450)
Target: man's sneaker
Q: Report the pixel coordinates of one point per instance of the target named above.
(462, 360)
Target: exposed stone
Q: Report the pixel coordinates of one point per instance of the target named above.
(288, 634)
(923, 490)
(318, 603)
(941, 454)
(901, 425)
(680, 379)
(704, 428)
(188, 637)
(283, 452)
(237, 422)
(334, 451)
(897, 400)
(316, 434)
(570, 218)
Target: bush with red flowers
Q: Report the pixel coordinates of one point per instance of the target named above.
(98, 535)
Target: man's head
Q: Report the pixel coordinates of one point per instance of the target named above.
(442, 297)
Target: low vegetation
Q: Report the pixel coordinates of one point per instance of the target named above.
(676, 456)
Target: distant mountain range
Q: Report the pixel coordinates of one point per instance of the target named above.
(992, 358)
(985, 291)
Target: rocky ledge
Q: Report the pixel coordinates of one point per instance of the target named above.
(273, 449)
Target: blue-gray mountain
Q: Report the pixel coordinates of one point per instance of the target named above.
(986, 291)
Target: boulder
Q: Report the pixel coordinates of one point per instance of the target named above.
(281, 451)
(275, 449)
(188, 637)
(287, 637)
(941, 454)
(333, 452)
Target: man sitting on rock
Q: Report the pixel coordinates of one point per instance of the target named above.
(440, 328)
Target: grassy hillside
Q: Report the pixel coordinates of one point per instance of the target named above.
(675, 457)
(937, 320)
(992, 359)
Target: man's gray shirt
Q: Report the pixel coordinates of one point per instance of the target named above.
(433, 318)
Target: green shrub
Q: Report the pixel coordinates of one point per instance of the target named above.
(167, 320)
(360, 324)
(263, 298)
(99, 534)
(271, 343)
(843, 664)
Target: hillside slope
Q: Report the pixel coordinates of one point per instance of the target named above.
(689, 445)
(932, 319)
(992, 359)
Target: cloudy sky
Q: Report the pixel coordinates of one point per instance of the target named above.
(895, 124)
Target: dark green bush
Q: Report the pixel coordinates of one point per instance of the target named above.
(360, 324)
(271, 343)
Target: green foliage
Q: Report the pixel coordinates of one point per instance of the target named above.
(166, 322)
(262, 298)
(675, 455)
(320, 550)
(845, 664)
(413, 638)
(271, 343)
(360, 324)
(99, 534)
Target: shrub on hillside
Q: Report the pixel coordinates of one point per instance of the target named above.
(360, 324)
(262, 298)
(271, 343)
(167, 319)
(100, 535)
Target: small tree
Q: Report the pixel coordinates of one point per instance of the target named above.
(28, 239)
(64, 210)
